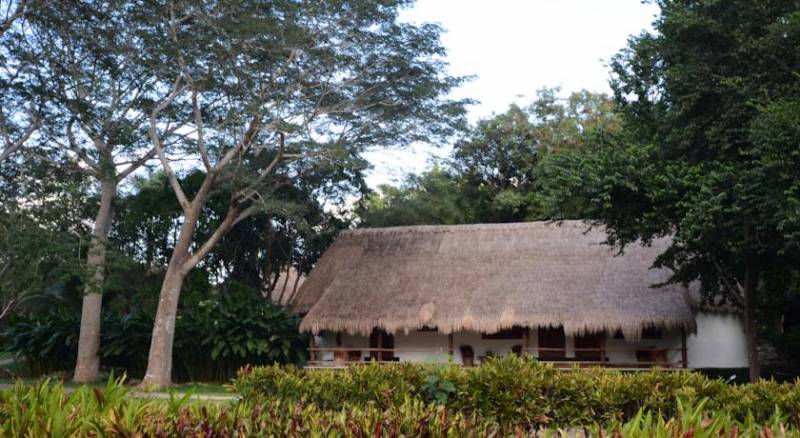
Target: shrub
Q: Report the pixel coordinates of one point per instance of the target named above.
(215, 336)
(520, 391)
(231, 328)
(46, 410)
(44, 343)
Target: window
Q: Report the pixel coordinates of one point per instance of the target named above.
(427, 329)
(512, 333)
(552, 343)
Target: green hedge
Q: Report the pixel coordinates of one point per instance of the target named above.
(514, 391)
(47, 410)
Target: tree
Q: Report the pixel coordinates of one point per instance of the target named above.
(10, 11)
(269, 86)
(709, 154)
(500, 159)
(435, 197)
(43, 212)
(98, 92)
(492, 174)
(20, 112)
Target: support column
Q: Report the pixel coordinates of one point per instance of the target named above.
(450, 346)
(684, 354)
(526, 335)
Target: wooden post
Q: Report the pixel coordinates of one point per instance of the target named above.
(603, 347)
(312, 354)
(526, 335)
(684, 355)
(450, 346)
(380, 346)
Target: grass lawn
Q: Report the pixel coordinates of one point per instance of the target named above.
(195, 388)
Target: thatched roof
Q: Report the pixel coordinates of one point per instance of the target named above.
(488, 277)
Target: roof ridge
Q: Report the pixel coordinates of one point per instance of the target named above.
(412, 229)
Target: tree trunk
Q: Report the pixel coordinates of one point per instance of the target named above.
(751, 276)
(159, 362)
(87, 366)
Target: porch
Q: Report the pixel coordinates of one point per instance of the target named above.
(665, 349)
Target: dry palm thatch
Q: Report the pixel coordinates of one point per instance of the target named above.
(488, 277)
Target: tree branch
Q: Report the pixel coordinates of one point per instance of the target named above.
(137, 164)
(14, 145)
(198, 120)
(73, 146)
(4, 26)
(159, 148)
(233, 217)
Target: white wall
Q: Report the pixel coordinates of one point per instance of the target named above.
(719, 343)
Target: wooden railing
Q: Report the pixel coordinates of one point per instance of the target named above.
(659, 357)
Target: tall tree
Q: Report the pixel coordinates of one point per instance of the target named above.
(436, 197)
(267, 86)
(99, 88)
(500, 159)
(710, 103)
(492, 174)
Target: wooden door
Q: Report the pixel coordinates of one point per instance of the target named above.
(552, 337)
(595, 341)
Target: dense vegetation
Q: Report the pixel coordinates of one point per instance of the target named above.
(700, 142)
(165, 203)
(165, 152)
(514, 391)
(219, 331)
(406, 400)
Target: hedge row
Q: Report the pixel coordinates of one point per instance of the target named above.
(514, 391)
(45, 410)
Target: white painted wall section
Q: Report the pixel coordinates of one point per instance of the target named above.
(719, 343)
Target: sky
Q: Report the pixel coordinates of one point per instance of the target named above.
(513, 48)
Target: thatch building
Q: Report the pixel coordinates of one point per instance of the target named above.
(552, 290)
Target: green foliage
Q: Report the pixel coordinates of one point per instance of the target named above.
(520, 392)
(46, 410)
(437, 388)
(46, 343)
(235, 327)
(435, 197)
(492, 174)
(709, 150)
(215, 336)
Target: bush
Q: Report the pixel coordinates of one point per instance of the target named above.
(232, 328)
(44, 343)
(214, 337)
(46, 410)
(519, 391)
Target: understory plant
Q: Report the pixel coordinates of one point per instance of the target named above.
(221, 331)
(521, 391)
(46, 409)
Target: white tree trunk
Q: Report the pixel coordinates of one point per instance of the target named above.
(87, 366)
(159, 362)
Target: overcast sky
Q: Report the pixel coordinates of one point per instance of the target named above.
(515, 47)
